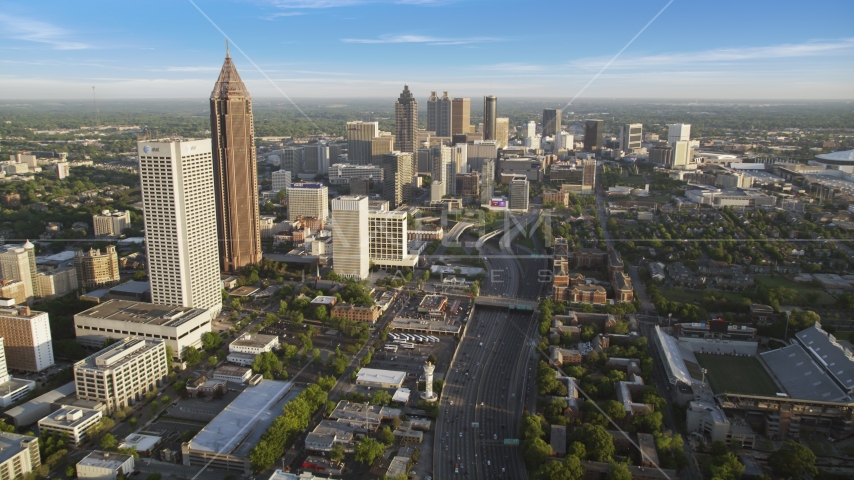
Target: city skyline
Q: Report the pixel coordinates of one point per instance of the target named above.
(777, 58)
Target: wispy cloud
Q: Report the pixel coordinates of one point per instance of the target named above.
(192, 69)
(514, 67)
(37, 31)
(729, 55)
(419, 39)
(276, 15)
(347, 3)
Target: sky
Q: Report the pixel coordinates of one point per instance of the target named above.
(677, 49)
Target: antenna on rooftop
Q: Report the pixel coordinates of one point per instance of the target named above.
(95, 100)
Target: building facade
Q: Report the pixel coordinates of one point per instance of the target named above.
(350, 240)
(177, 183)
(281, 180)
(397, 178)
(460, 116)
(20, 455)
(388, 239)
(73, 422)
(594, 134)
(58, 282)
(308, 200)
(97, 270)
(519, 194)
(406, 122)
(26, 338)
(490, 116)
(111, 223)
(121, 374)
(19, 263)
(631, 136)
(551, 122)
(356, 313)
(439, 114)
(360, 137)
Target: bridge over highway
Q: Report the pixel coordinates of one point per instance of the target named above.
(504, 302)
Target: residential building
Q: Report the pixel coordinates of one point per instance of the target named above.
(487, 179)
(587, 294)
(291, 159)
(178, 327)
(388, 239)
(111, 223)
(661, 156)
(594, 135)
(350, 237)
(563, 141)
(26, 337)
(519, 194)
(678, 132)
(360, 136)
(502, 131)
(121, 374)
(14, 290)
(439, 114)
(631, 136)
(178, 191)
(551, 122)
(360, 186)
(73, 422)
(558, 198)
(105, 465)
(11, 200)
(406, 122)
(308, 200)
(11, 389)
(356, 313)
(281, 180)
(235, 171)
(97, 270)
(460, 116)
(19, 263)
(57, 282)
(20, 455)
(397, 178)
(490, 115)
(62, 170)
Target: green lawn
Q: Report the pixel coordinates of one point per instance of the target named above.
(774, 281)
(728, 373)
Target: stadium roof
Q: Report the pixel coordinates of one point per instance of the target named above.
(801, 376)
(830, 354)
(841, 155)
(675, 364)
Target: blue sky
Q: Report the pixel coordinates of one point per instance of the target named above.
(726, 49)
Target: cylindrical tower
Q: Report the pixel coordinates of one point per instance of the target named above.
(428, 382)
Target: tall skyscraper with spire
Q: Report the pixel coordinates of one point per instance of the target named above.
(235, 171)
(406, 122)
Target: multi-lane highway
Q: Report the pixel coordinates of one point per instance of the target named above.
(491, 378)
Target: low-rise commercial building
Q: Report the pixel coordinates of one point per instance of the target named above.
(73, 422)
(232, 374)
(105, 465)
(254, 344)
(357, 313)
(121, 374)
(179, 327)
(372, 377)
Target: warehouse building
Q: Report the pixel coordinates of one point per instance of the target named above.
(372, 377)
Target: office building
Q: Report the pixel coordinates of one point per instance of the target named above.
(281, 180)
(479, 151)
(316, 158)
(487, 179)
(360, 186)
(406, 122)
(594, 135)
(631, 136)
(111, 223)
(437, 190)
(62, 170)
(350, 254)
(683, 154)
(678, 132)
(245, 348)
(440, 159)
(291, 160)
(20, 455)
(661, 156)
(439, 115)
(551, 121)
(105, 465)
(380, 146)
(120, 375)
(460, 116)
(179, 327)
(72, 422)
(490, 116)
(345, 170)
(19, 263)
(11, 389)
(519, 193)
(397, 178)
(58, 282)
(97, 270)
(530, 129)
(308, 200)
(388, 239)
(459, 156)
(468, 186)
(360, 137)
(502, 131)
(26, 337)
(178, 193)
(235, 171)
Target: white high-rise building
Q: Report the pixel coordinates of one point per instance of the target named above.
(502, 131)
(281, 180)
(177, 181)
(291, 159)
(440, 156)
(18, 263)
(531, 129)
(678, 132)
(62, 170)
(683, 154)
(459, 154)
(519, 193)
(308, 200)
(389, 239)
(563, 141)
(111, 223)
(631, 136)
(487, 181)
(350, 238)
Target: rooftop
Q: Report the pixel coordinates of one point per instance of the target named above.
(44, 399)
(674, 359)
(117, 353)
(433, 301)
(243, 291)
(323, 300)
(256, 340)
(376, 375)
(143, 443)
(132, 287)
(69, 417)
(10, 444)
(801, 376)
(140, 312)
(240, 425)
(833, 356)
(419, 325)
(101, 459)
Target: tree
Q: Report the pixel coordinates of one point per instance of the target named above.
(615, 410)
(385, 436)
(337, 453)
(618, 471)
(573, 466)
(792, 460)
(532, 427)
(212, 361)
(648, 423)
(139, 275)
(367, 450)
(70, 471)
(263, 455)
(108, 442)
(597, 442)
(320, 313)
(380, 397)
(577, 449)
(267, 364)
(192, 356)
(535, 451)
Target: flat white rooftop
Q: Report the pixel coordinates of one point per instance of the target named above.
(372, 375)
